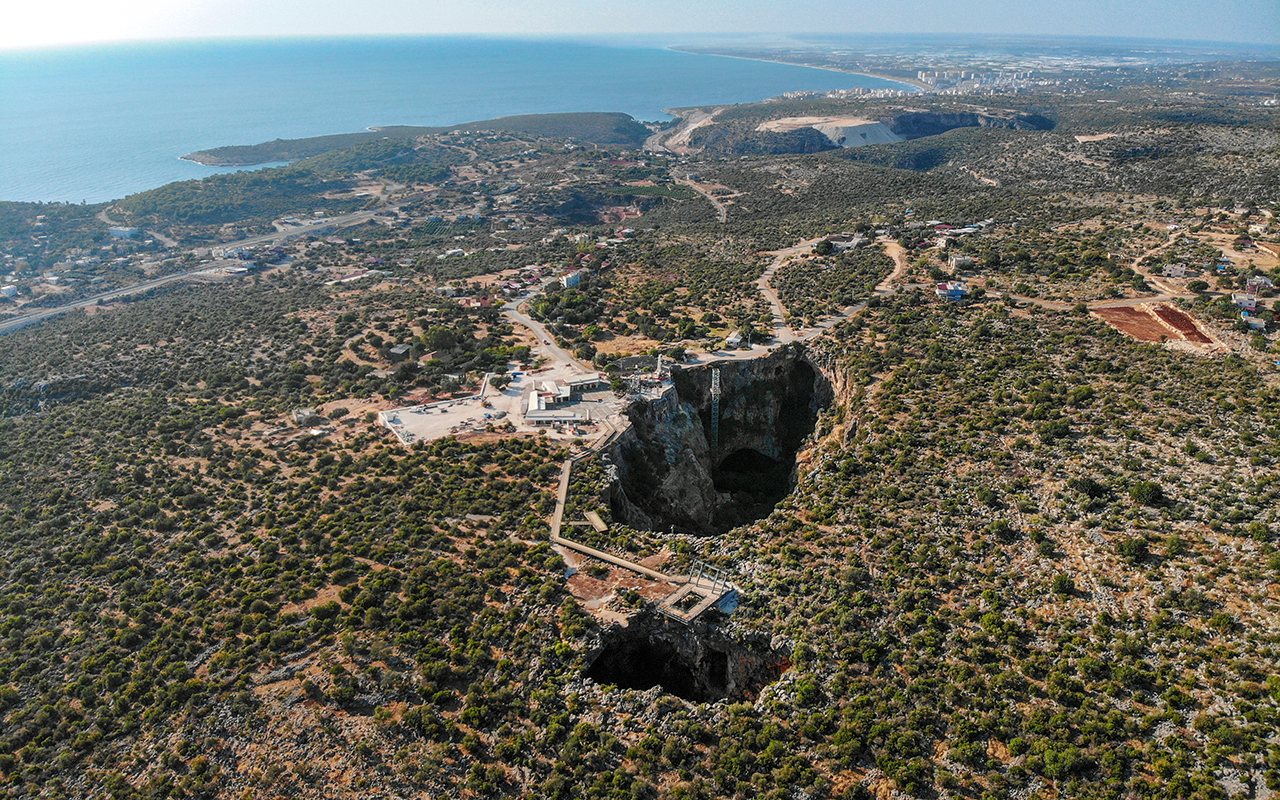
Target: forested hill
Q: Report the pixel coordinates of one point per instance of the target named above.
(602, 128)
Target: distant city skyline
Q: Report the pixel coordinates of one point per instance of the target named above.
(65, 22)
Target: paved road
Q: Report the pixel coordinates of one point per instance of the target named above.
(677, 140)
(10, 325)
(343, 221)
(546, 342)
(159, 237)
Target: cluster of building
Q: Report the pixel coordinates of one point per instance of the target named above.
(545, 403)
(936, 233)
(1247, 301)
(959, 81)
(845, 94)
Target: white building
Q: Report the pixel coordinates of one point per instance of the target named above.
(1257, 283)
(846, 241)
(539, 405)
(1245, 300)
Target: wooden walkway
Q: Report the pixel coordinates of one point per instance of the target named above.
(709, 590)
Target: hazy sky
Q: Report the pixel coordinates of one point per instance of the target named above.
(36, 23)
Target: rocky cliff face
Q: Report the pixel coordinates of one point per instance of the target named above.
(914, 125)
(675, 468)
(663, 469)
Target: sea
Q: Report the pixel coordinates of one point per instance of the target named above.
(96, 123)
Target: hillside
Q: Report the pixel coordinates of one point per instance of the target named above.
(602, 128)
(938, 468)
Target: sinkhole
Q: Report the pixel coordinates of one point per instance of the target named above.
(695, 463)
(755, 482)
(765, 420)
(701, 668)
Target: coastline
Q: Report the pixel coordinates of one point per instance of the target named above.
(191, 160)
(236, 166)
(913, 83)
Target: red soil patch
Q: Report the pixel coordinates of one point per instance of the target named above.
(1158, 324)
(1185, 325)
(1134, 322)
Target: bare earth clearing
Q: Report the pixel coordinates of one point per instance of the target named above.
(796, 123)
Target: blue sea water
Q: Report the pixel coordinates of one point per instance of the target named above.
(98, 123)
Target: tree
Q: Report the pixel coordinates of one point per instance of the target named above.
(1147, 493)
(1132, 549)
(1054, 430)
(1088, 487)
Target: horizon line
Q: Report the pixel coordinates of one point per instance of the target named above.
(1261, 46)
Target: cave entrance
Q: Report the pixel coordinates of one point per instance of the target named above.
(701, 668)
(646, 663)
(747, 462)
(757, 481)
(681, 470)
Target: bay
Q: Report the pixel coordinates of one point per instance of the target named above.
(96, 123)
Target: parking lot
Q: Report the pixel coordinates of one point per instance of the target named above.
(500, 410)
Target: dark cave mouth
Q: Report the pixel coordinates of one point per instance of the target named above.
(751, 471)
(645, 663)
(757, 481)
(701, 672)
(748, 461)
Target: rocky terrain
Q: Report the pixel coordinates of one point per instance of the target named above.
(992, 520)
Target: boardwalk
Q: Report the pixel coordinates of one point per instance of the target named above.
(693, 595)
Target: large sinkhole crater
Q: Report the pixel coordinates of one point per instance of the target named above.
(683, 466)
(700, 667)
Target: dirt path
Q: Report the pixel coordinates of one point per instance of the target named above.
(159, 237)
(900, 266)
(785, 334)
(722, 211)
(781, 332)
(1154, 280)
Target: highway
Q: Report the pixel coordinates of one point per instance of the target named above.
(15, 323)
(344, 221)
